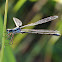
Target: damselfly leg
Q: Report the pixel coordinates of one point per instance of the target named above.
(11, 41)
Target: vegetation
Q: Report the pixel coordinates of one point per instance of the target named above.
(30, 47)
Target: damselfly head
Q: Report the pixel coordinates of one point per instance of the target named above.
(9, 30)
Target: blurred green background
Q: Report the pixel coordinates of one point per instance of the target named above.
(32, 47)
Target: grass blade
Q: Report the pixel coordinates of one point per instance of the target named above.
(4, 30)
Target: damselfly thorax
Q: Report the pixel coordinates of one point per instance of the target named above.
(18, 28)
(14, 31)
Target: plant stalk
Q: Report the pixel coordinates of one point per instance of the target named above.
(4, 30)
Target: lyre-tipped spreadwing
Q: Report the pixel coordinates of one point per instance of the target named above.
(18, 28)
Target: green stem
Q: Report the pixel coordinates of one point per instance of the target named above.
(18, 5)
(4, 30)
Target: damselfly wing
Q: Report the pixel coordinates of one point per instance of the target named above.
(41, 21)
(17, 22)
(41, 31)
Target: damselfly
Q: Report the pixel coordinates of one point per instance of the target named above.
(18, 28)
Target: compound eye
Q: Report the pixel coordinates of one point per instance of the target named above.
(7, 30)
(10, 30)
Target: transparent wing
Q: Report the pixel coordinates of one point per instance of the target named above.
(41, 31)
(41, 21)
(17, 22)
